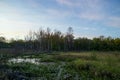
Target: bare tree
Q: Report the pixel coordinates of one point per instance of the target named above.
(69, 38)
(40, 37)
(48, 34)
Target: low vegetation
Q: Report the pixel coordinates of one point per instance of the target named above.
(61, 66)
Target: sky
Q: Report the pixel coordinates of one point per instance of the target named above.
(88, 18)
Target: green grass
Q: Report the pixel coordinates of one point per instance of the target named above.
(68, 66)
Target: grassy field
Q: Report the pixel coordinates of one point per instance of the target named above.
(61, 66)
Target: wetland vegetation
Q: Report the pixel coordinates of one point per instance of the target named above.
(61, 66)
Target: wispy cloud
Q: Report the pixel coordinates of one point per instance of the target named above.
(90, 16)
(92, 10)
(69, 3)
(55, 13)
(86, 9)
(17, 23)
(85, 4)
(26, 14)
(15, 28)
(89, 28)
(113, 21)
(33, 3)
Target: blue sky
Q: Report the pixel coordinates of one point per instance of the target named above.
(89, 18)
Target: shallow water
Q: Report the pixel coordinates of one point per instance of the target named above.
(33, 60)
(19, 60)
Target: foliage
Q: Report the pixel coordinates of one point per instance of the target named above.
(48, 41)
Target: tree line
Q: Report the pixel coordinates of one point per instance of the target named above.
(46, 40)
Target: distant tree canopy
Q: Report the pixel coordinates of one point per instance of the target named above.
(45, 40)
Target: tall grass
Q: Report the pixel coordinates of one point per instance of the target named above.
(69, 66)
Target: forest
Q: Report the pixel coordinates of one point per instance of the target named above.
(48, 41)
